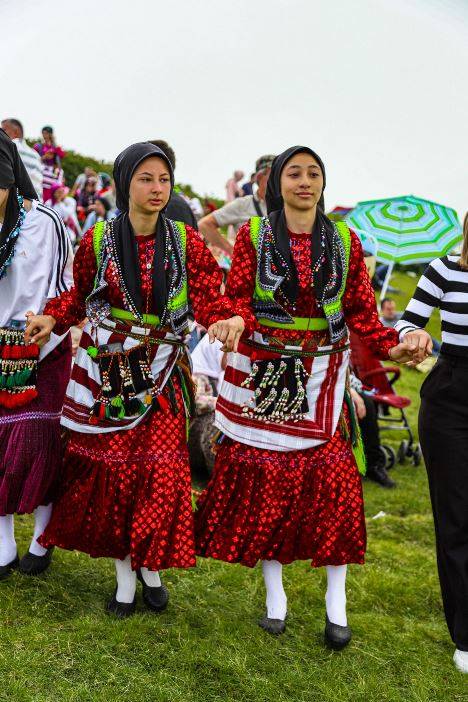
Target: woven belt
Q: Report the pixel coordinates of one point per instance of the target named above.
(125, 316)
(293, 352)
(298, 323)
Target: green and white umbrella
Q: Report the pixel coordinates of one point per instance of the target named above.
(408, 229)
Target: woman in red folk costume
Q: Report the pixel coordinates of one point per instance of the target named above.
(126, 490)
(35, 266)
(286, 484)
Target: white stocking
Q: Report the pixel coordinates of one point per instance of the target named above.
(8, 548)
(335, 599)
(276, 601)
(126, 581)
(151, 577)
(41, 520)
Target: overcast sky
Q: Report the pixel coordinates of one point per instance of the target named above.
(377, 87)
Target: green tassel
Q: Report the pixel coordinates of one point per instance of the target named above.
(360, 456)
(356, 438)
(18, 379)
(92, 351)
(134, 406)
(194, 501)
(117, 401)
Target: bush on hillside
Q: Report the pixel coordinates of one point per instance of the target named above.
(74, 163)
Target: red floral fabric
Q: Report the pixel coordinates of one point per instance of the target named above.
(270, 505)
(203, 273)
(291, 505)
(358, 301)
(129, 492)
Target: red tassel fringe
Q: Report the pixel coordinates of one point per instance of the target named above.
(17, 399)
(13, 351)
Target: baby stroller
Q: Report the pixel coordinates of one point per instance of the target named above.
(379, 380)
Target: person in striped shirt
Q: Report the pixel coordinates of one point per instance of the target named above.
(30, 157)
(443, 428)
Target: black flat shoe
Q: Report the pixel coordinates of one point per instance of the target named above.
(121, 610)
(35, 565)
(379, 475)
(276, 627)
(336, 636)
(155, 598)
(7, 569)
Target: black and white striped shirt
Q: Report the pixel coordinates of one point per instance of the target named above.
(444, 285)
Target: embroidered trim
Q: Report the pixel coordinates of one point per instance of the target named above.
(27, 416)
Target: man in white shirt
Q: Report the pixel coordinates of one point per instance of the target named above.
(30, 158)
(239, 210)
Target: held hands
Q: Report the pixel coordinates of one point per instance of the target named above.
(38, 328)
(417, 346)
(228, 331)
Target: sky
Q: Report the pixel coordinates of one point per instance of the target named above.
(377, 87)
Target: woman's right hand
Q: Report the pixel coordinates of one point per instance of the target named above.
(38, 328)
(421, 339)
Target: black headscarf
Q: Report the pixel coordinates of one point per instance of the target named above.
(13, 175)
(275, 209)
(125, 243)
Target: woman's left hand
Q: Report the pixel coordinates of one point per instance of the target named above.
(228, 331)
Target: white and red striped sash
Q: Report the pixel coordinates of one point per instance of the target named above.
(85, 382)
(325, 391)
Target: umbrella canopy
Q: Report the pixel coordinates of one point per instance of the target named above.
(408, 229)
(338, 213)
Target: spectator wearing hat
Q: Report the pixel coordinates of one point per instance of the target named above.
(238, 211)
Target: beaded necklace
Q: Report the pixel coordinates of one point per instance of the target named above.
(13, 235)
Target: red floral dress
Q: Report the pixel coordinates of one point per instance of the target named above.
(291, 505)
(129, 492)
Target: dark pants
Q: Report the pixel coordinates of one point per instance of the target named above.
(370, 433)
(443, 433)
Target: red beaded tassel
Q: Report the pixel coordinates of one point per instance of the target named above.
(17, 399)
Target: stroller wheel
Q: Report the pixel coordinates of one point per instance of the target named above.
(403, 450)
(417, 455)
(390, 456)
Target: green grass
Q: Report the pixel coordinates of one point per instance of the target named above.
(56, 643)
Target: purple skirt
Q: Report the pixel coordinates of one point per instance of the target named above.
(30, 443)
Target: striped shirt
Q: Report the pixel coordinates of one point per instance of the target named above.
(41, 268)
(33, 164)
(443, 285)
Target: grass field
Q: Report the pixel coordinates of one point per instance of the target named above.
(56, 642)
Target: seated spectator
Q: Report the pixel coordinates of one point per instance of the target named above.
(65, 205)
(87, 198)
(81, 180)
(107, 190)
(388, 312)
(31, 159)
(101, 213)
(239, 211)
(208, 362)
(366, 411)
(389, 316)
